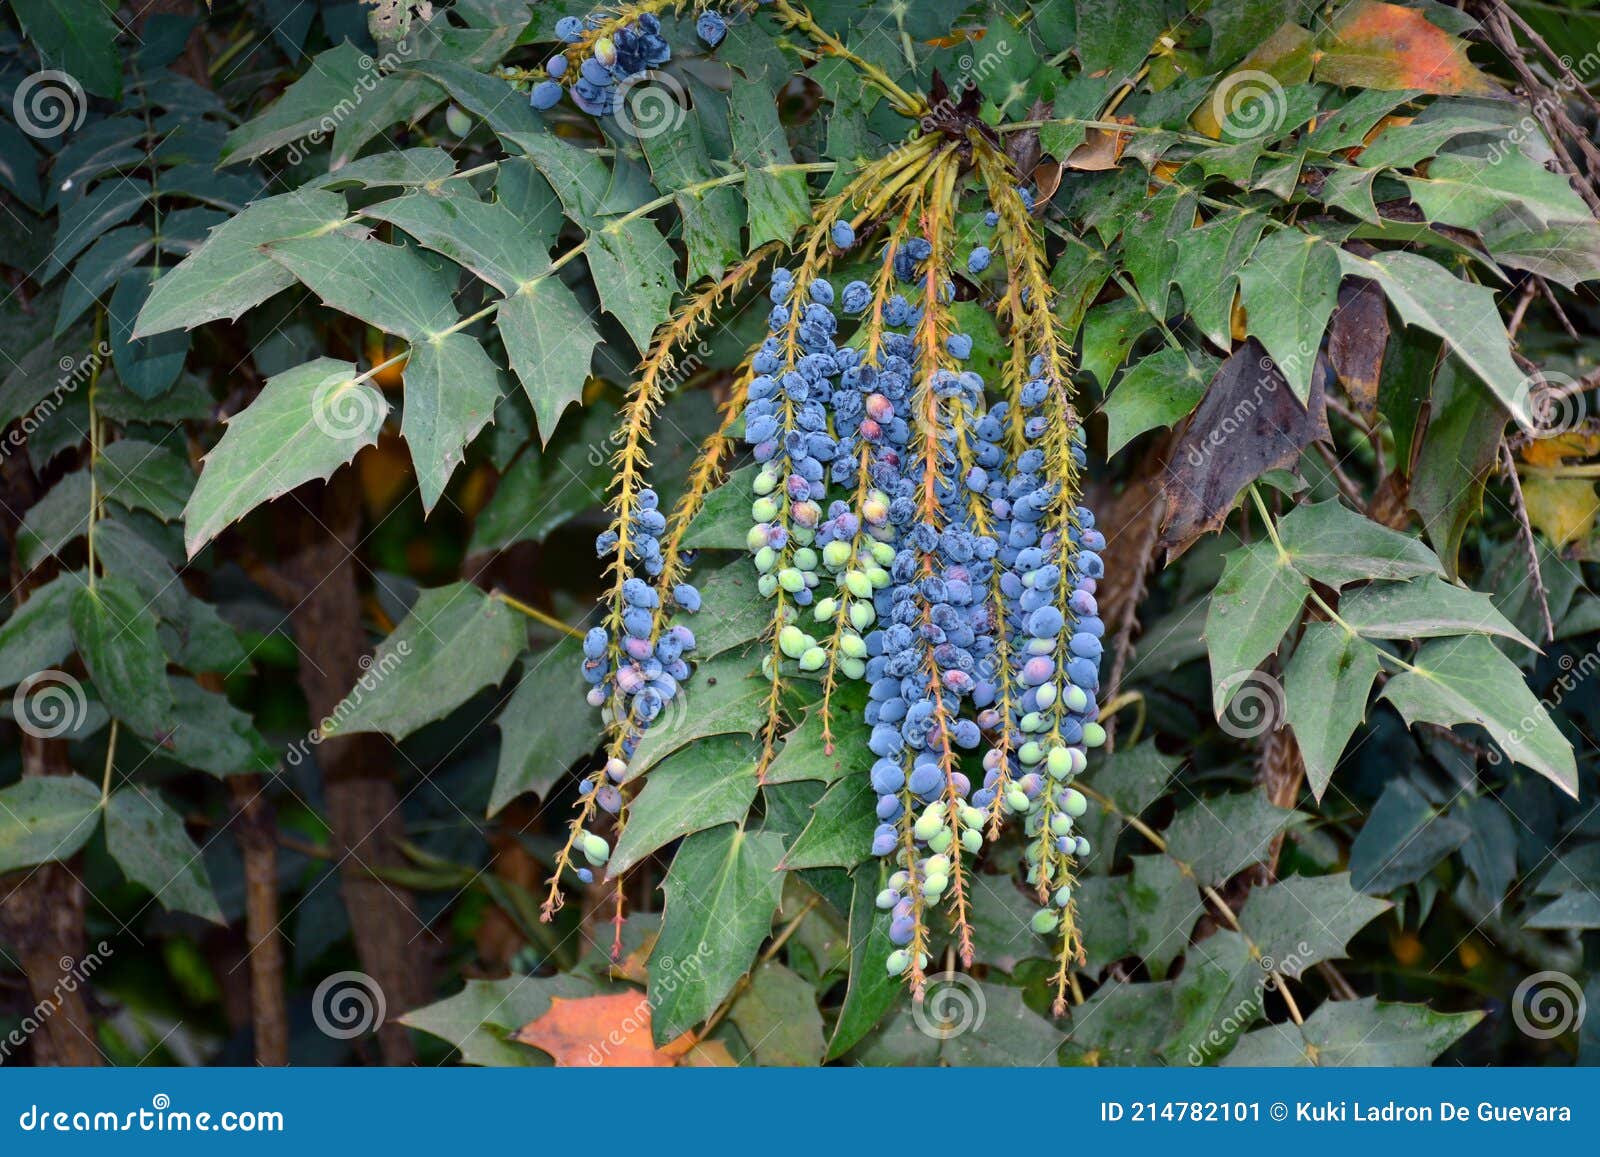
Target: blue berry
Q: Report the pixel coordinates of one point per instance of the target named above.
(711, 27)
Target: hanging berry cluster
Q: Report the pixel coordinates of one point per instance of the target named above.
(915, 527)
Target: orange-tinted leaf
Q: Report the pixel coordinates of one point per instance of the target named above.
(1561, 448)
(1385, 46)
(611, 1031)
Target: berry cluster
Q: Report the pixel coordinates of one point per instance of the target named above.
(596, 66)
(633, 667)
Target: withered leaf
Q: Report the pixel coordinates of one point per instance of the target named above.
(1248, 423)
(1357, 337)
(610, 1031)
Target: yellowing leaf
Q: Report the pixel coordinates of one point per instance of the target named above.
(1563, 509)
(1285, 56)
(1554, 451)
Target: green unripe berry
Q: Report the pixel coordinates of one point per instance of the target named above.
(1045, 695)
(756, 539)
(858, 584)
(824, 609)
(793, 642)
(933, 886)
(971, 817)
(941, 841)
(803, 535)
(1045, 921)
(1017, 799)
(458, 122)
(836, 554)
(766, 482)
(813, 659)
(1063, 896)
(882, 553)
(766, 559)
(862, 615)
(853, 645)
(927, 826)
(1060, 825)
(897, 962)
(1030, 753)
(1093, 735)
(1075, 699)
(853, 668)
(1076, 802)
(805, 558)
(764, 509)
(767, 585)
(887, 899)
(1033, 721)
(878, 577)
(1059, 762)
(972, 841)
(594, 848)
(791, 580)
(937, 866)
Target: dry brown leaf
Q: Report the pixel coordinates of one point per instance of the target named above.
(1101, 149)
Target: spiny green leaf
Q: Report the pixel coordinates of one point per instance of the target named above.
(116, 635)
(305, 424)
(711, 783)
(45, 818)
(1256, 600)
(452, 388)
(455, 640)
(150, 845)
(1325, 688)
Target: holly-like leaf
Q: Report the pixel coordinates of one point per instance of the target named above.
(304, 108)
(1361, 1032)
(141, 476)
(481, 1018)
(455, 640)
(550, 340)
(723, 698)
(305, 424)
(231, 272)
(485, 237)
(710, 783)
(1425, 294)
(78, 37)
(1469, 680)
(1424, 608)
(452, 388)
(1325, 687)
(396, 288)
(722, 891)
(37, 635)
(840, 831)
(538, 744)
(1157, 391)
(1256, 600)
(45, 818)
(150, 845)
(1288, 290)
(1329, 542)
(779, 203)
(778, 1015)
(116, 635)
(1217, 837)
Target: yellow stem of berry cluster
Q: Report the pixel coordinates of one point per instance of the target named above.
(907, 104)
(871, 348)
(932, 330)
(874, 190)
(1034, 332)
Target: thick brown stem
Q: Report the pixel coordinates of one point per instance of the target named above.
(254, 828)
(318, 543)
